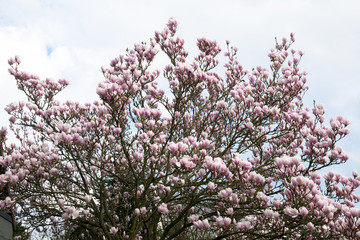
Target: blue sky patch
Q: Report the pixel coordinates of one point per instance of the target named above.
(49, 50)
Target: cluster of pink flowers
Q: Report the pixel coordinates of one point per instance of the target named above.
(226, 156)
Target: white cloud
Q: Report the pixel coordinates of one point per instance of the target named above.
(85, 35)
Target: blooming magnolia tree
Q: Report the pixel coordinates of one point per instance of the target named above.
(226, 156)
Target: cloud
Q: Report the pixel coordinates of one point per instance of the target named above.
(72, 39)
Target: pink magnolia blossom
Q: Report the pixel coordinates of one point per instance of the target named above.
(291, 211)
(227, 152)
(113, 230)
(163, 209)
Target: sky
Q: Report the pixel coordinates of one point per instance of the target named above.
(72, 39)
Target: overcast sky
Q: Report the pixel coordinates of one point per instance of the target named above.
(72, 39)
